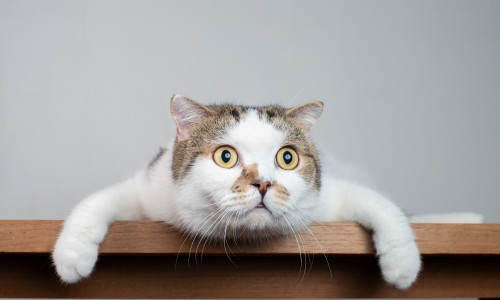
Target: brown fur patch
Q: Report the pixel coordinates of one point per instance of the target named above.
(297, 137)
(272, 112)
(281, 195)
(249, 175)
(241, 200)
(280, 192)
(203, 135)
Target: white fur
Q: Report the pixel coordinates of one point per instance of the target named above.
(76, 249)
(465, 217)
(202, 204)
(394, 241)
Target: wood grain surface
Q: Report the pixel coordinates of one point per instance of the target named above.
(148, 237)
(151, 260)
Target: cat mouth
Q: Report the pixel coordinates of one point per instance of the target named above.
(261, 206)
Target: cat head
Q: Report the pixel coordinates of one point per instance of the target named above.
(244, 172)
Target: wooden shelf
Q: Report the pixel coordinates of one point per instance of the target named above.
(150, 260)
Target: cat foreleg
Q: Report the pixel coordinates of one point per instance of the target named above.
(394, 241)
(76, 249)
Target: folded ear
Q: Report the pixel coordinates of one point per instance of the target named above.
(186, 113)
(306, 114)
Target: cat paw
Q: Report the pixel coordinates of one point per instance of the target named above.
(73, 259)
(401, 265)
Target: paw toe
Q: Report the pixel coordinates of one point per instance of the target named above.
(72, 266)
(400, 266)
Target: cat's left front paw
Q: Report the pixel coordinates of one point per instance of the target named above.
(401, 265)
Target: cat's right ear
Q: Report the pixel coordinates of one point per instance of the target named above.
(306, 114)
(186, 113)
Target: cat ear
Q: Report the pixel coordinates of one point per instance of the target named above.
(186, 113)
(306, 114)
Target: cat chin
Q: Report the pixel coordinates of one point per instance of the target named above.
(258, 225)
(261, 229)
(258, 219)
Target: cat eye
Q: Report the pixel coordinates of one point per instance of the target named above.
(225, 157)
(287, 158)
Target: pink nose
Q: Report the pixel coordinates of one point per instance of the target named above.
(262, 186)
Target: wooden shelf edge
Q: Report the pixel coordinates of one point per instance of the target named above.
(156, 238)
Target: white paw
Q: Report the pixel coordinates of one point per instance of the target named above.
(74, 259)
(400, 265)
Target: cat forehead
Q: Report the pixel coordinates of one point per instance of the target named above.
(254, 134)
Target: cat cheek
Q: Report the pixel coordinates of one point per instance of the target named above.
(247, 199)
(294, 192)
(279, 196)
(241, 201)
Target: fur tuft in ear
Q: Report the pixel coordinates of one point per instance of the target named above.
(186, 113)
(306, 114)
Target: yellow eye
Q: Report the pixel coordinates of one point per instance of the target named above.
(287, 158)
(225, 157)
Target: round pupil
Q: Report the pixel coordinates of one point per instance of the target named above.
(287, 157)
(226, 156)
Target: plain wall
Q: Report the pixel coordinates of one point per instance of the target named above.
(411, 90)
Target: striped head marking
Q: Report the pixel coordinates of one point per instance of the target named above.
(244, 170)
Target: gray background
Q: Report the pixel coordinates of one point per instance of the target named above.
(411, 90)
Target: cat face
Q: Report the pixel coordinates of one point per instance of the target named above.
(244, 172)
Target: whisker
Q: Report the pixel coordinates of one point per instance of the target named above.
(202, 235)
(319, 244)
(225, 242)
(212, 228)
(306, 252)
(298, 246)
(179, 251)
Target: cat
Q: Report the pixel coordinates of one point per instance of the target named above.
(253, 170)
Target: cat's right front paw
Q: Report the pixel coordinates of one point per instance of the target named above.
(401, 265)
(73, 259)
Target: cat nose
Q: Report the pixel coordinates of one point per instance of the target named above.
(262, 186)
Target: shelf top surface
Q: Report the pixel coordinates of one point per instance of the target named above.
(156, 238)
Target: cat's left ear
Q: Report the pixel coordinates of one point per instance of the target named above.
(306, 114)
(186, 113)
